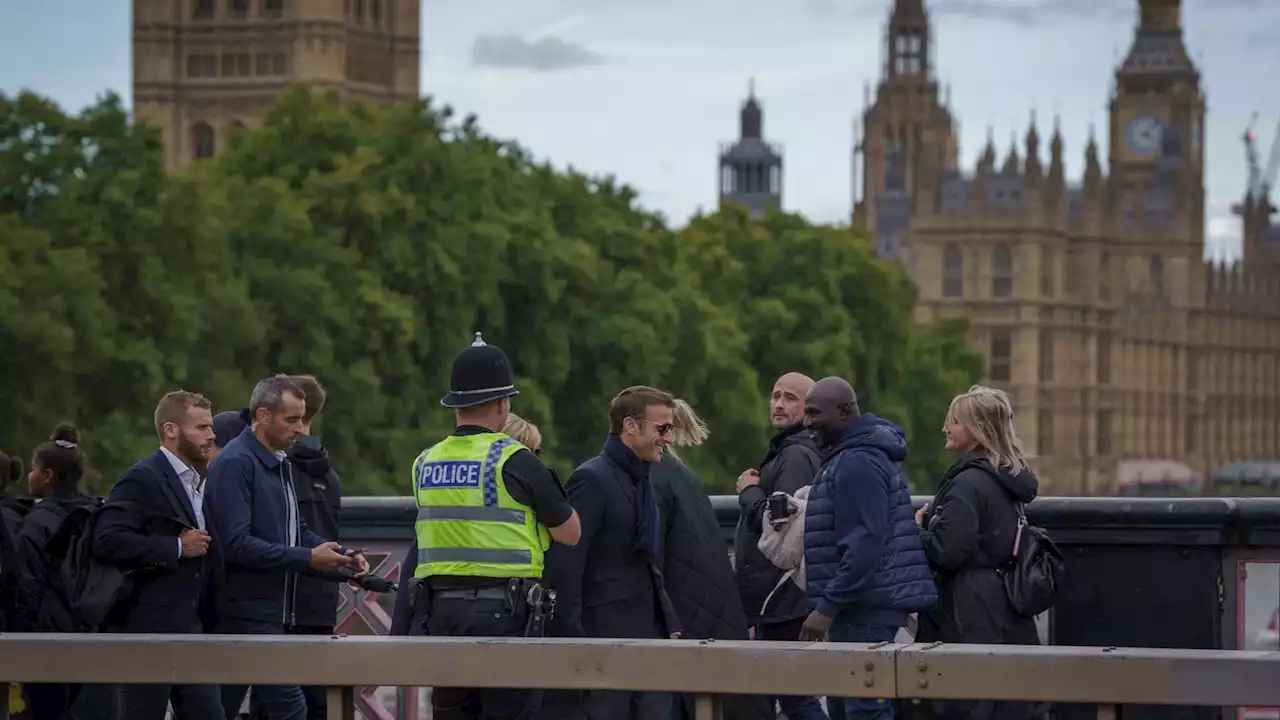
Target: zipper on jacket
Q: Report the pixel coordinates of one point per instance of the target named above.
(290, 579)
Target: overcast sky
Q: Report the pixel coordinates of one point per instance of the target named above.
(648, 89)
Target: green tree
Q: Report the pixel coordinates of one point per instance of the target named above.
(817, 300)
(367, 246)
(95, 227)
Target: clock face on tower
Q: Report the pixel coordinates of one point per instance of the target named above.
(1143, 135)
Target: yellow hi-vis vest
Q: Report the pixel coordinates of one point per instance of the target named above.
(467, 523)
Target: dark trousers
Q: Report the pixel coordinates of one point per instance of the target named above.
(280, 702)
(47, 701)
(621, 705)
(190, 702)
(317, 699)
(480, 617)
(630, 705)
(861, 708)
(795, 707)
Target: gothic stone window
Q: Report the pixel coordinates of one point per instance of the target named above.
(202, 65)
(1046, 272)
(1104, 359)
(1104, 277)
(1157, 274)
(272, 8)
(271, 64)
(237, 65)
(1046, 356)
(908, 52)
(238, 8)
(202, 141)
(1102, 428)
(1044, 432)
(1001, 369)
(952, 271)
(203, 9)
(1002, 272)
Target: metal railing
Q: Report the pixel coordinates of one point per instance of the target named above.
(1103, 676)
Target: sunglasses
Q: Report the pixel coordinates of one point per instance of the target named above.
(663, 429)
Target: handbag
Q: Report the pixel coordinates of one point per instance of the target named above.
(1034, 575)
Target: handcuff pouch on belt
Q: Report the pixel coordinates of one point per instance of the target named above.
(524, 597)
(541, 603)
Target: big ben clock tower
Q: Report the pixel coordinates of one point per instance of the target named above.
(1158, 108)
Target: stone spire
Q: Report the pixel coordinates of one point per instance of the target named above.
(987, 162)
(1057, 173)
(1033, 148)
(1011, 161)
(1092, 168)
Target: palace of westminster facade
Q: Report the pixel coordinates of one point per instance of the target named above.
(1091, 301)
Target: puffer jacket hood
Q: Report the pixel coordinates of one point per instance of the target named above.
(873, 431)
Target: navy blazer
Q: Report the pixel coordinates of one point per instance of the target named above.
(605, 588)
(137, 530)
(247, 499)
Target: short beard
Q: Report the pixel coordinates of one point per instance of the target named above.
(191, 453)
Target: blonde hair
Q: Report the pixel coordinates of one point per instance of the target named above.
(522, 431)
(987, 413)
(689, 428)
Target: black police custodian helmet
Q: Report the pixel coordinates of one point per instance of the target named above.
(481, 374)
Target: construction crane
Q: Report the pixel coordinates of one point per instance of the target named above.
(1261, 179)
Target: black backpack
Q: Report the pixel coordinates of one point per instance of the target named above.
(1033, 577)
(8, 575)
(90, 587)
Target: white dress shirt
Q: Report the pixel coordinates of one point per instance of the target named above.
(190, 481)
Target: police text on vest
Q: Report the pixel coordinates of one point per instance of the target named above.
(444, 474)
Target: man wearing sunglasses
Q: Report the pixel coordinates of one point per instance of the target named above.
(610, 583)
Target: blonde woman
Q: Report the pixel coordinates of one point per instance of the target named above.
(968, 532)
(524, 432)
(696, 570)
(556, 704)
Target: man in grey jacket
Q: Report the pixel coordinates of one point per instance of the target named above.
(791, 462)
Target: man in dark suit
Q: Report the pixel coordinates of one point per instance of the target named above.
(153, 525)
(609, 585)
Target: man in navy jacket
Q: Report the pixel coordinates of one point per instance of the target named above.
(254, 514)
(865, 566)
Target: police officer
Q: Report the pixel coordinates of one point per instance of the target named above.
(487, 512)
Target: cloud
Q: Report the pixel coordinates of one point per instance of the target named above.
(1026, 13)
(1018, 12)
(546, 54)
(1034, 12)
(1266, 38)
(1223, 232)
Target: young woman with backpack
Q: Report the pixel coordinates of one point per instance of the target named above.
(41, 606)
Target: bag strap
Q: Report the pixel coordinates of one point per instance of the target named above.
(1022, 525)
